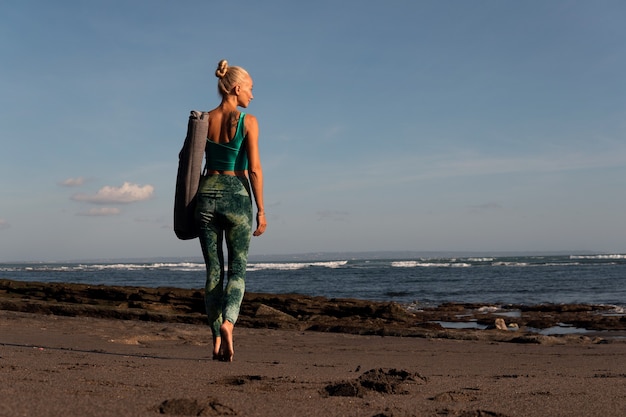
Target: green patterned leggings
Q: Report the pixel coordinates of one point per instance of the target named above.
(224, 210)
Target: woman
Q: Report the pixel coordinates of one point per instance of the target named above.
(224, 207)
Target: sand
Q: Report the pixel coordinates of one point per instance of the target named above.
(57, 365)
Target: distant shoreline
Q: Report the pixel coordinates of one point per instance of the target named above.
(316, 256)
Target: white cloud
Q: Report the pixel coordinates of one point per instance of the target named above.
(73, 182)
(4, 224)
(127, 193)
(102, 211)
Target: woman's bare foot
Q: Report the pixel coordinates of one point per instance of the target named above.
(217, 343)
(227, 347)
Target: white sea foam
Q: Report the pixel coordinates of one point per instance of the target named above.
(177, 266)
(422, 264)
(48, 268)
(615, 310)
(488, 309)
(502, 263)
(293, 266)
(607, 256)
(404, 264)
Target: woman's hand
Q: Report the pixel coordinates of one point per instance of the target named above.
(261, 224)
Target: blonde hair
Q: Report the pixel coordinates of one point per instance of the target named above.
(229, 77)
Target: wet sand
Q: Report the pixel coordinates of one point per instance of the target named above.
(115, 351)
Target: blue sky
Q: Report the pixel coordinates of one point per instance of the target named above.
(398, 125)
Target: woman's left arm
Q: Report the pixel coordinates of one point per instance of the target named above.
(255, 171)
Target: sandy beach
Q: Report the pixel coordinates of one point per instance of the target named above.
(76, 357)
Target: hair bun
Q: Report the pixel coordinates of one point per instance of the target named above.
(222, 69)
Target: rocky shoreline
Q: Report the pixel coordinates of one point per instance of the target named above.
(509, 323)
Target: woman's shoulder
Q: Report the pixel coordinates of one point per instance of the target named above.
(250, 124)
(249, 118)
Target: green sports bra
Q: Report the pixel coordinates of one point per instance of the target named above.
(231, 156)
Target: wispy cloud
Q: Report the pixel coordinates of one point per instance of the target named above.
(333, 215)
(127, 193)
(486, 207)
(72, 182)
(101, 211)
(4, 224)
(470, 163)
(411, 168)
(333, 131)
(478, 165)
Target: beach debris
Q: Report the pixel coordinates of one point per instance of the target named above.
(344, 389)
(500, 324)
(241, 380)
(386, 381)
(194, 407)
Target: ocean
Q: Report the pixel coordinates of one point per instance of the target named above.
(410, 280)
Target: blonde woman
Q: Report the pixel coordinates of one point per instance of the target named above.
(224, 209)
